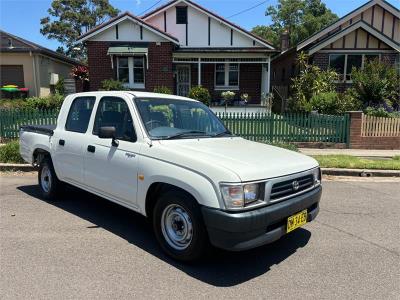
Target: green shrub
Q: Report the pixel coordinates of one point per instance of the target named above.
(9, 153)
(162, 90)
(112, 85)
(12, 103)
(310, 82)
(201, 94)
(51, 102)
(381, 112)
(59, 87)
(333, 103)
(377, 85)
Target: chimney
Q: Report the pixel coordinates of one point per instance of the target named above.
(284, 40)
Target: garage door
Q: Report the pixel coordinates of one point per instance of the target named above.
(12, 74)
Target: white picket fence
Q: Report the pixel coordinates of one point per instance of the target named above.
(376, 126)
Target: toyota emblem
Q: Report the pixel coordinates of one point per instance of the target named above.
(295, 185)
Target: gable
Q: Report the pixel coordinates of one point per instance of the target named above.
(361, 35)
(203, 28)
(358, 39)
(378, 14)
(127, 27)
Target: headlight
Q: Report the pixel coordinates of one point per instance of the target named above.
(239, 196)
(251, 193)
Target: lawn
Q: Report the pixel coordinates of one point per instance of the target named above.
(353, 162)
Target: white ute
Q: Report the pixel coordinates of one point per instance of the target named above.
(171, 159)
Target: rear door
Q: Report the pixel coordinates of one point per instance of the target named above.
(112, 170)
(69, 143)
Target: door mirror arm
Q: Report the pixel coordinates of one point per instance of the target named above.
(114, 142)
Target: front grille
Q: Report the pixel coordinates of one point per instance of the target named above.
(286, 188)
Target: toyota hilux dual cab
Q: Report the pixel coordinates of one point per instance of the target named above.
(171, 159)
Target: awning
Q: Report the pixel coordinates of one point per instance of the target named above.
(128, 51)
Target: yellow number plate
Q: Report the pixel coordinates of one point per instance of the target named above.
(296, 221)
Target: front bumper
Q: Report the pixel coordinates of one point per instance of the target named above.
(237, 231)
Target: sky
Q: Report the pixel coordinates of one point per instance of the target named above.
(22, 17)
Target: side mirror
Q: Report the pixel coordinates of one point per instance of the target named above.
(108, 132)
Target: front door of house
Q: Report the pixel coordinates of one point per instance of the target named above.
(183, 80)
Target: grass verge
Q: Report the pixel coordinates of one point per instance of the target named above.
(9, 153)
(353, 162)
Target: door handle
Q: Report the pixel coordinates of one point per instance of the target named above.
(61, 142)
(91, 148)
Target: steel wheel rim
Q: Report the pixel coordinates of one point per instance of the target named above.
(176, 226)
(45, 179)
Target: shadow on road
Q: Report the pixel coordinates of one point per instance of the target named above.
(220, 268)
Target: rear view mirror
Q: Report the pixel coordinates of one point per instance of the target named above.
(108, 132)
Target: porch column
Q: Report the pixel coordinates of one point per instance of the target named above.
(199, 71)
(269, 74)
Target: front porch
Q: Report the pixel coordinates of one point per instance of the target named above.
(242, 71)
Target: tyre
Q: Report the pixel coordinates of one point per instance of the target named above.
(179, 227)
(48, 181)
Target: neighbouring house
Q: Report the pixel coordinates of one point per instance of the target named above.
(369, 32)
(31, 66)
(179, 45)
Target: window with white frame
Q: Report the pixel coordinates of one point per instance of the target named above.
(227, 75)
(131, 71)
(344, 63)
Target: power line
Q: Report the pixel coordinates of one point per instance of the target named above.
(150, 7)
(247, 9)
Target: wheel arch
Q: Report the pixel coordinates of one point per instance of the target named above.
(155, 189)
(39, 154)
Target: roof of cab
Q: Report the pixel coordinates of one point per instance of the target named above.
(136, 94)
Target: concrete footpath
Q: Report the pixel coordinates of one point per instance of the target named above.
(353, 152)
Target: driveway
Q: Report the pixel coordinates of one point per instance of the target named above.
(84, 247)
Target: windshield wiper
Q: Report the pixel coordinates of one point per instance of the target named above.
(226, 132)
(186, 133)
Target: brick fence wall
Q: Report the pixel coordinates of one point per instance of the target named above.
(357, 141)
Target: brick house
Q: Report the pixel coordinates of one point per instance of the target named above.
(179, 45)
(370, 31)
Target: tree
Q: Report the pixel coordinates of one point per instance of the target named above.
(68, 19)
(300, 18)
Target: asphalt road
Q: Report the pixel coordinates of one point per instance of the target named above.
(85, 247)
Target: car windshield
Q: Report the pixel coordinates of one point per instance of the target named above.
(169, 119)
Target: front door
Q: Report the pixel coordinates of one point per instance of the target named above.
(110, 169)
(183, 80)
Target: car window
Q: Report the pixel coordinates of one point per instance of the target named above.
(79, 114)
(113, 111)
(166, 117)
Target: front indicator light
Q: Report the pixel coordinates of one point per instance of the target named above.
(232, 195)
